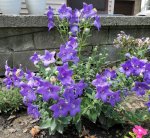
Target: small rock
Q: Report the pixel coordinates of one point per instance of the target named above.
(2, 121)
(12, 130)
(34, 121)
(11, 117)
(25, 130)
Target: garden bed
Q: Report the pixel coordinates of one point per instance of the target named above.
(72, 94)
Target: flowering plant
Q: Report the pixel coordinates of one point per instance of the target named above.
(54, 93)
(138, 132)
(63, 90)
(135, 46)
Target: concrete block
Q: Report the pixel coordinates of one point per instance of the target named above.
(16, 43)
(98, 37)
(23, 59)
(113, 53)
(47, 40)
(7, 32)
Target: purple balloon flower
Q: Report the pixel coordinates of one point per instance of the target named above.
(114, 97)
(50, 15)
(147, 68)
(127, 68)
(97, 22)
(49, 91)
(29, 74)
(35, 58)
(147, 77)
(88, 11)
(65, 75)
(140, 88)
(68, 54)
(33, 111)
(7, 70)
(108, 96)
(25, 89)
(79, 87)
(60, 109)
(8, 82)
(65, 12)
(13, 76)
(72, 43)
(102, 93)
(69, 94)
(138, 65)
(74, 29)
(100, 81)
(29, 98)
(50, 24)
(147, 73)
(48, 58)
(75, 107)
(148, 105)
(109, 74)
(75, 18)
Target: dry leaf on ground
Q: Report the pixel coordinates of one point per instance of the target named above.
(35, 131)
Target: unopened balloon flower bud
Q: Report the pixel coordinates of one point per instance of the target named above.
(18, 72)
(53, 79)
(48, 69)
(86, 31)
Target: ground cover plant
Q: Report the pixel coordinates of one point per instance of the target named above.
(68, 86)
(10, 100)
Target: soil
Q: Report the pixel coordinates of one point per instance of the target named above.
(20, 125)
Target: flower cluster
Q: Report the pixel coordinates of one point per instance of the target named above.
(76, 18)
(65, 96)
(46, 59)
(103, 87)
(13, 76)
(124, 40)
(70, 102)
(139, 131)
(61, 89)
(135, 67)
(136, 46)
(68, 52)
(64, 91)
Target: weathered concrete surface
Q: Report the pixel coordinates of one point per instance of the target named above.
(17, 43)
(41, 21)
(21, 36)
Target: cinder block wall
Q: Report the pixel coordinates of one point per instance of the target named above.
(21, 36)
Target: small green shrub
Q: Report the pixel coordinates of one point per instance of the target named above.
(10, 100)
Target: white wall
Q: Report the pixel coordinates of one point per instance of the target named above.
(145, 4)
(53, 3)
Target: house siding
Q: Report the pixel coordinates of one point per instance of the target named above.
(55, 4)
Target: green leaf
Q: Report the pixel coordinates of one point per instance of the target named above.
(53, 124)
(78, 126)
(51, 132)
(46, 123)
(65, 120)
(60, 128)
(94, 116)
